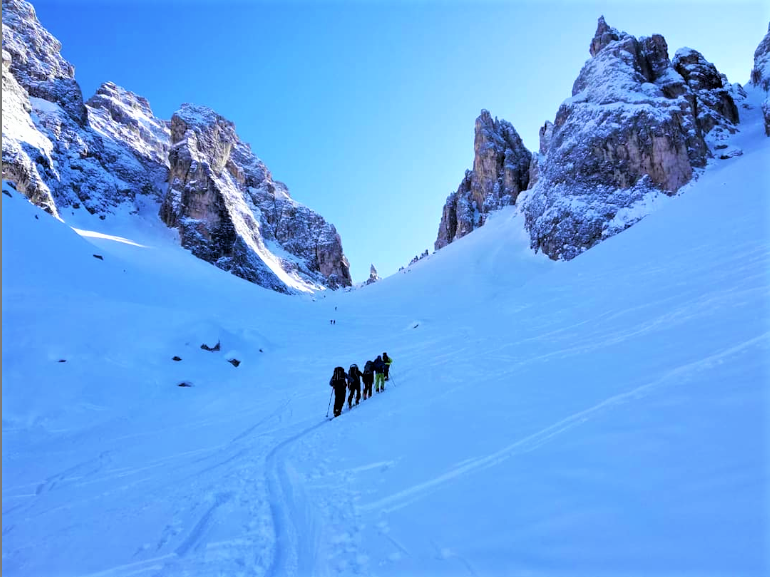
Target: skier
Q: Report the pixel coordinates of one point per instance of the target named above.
(339, 382)
(354, 384)
(379, 374)
(388, 361)
(368, 378)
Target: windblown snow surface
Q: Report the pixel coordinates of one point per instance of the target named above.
(599, 417)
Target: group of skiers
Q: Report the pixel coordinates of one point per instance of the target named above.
(375, 373)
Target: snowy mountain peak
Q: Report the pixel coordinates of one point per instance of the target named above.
(63, 153)
(199, 116)
(230, 212)
(36, 60)
(637, 125)
(603, 36)
(126, 117)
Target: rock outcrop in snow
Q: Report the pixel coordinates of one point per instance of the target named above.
(501, 170)
(636, 126)
(760, 75)
(373, 276)
(228, 210)
(63, 152)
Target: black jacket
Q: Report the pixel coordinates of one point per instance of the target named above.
(339, 382)
(354, 377)
(378, 365)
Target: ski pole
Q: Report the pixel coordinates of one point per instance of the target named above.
(391, 379)
(330, 403)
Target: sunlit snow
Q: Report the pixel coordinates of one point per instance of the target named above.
(603, 416)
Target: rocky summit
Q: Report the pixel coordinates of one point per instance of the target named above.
(228, 210)
(638, 124)
(501, 170)
(64, 152)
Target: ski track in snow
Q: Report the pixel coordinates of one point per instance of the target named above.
(296, 535)
(153, 564)
(530, 443)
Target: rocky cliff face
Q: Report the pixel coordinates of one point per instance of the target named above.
(637, 124)
(36, 60)
(125, 117)
(63, 152)
(229, 210)
(501, 170)
(51, 150)
(760, 75)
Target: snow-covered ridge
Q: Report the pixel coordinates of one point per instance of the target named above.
(66, 154)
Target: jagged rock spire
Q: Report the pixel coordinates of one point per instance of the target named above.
(373, 276)
(604, 35)
(501, 171)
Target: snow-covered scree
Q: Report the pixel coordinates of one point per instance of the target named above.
(603, 416)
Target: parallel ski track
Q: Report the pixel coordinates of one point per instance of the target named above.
(292, 518)
(286, 509)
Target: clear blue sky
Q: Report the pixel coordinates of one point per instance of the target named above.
(366, 109)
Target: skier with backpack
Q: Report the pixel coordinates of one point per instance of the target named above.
(354, 384)
(339, 382)
(368, 378)
(379, 374)
(388, 361)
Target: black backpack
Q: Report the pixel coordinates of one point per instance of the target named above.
(354, 373)
(339, 376)
(368, 368)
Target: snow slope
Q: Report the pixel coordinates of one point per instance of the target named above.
(603, 416)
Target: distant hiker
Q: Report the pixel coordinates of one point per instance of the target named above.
(354, 384)
(339, 382)
(379, 374)
(388, 361)
(368, 378)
